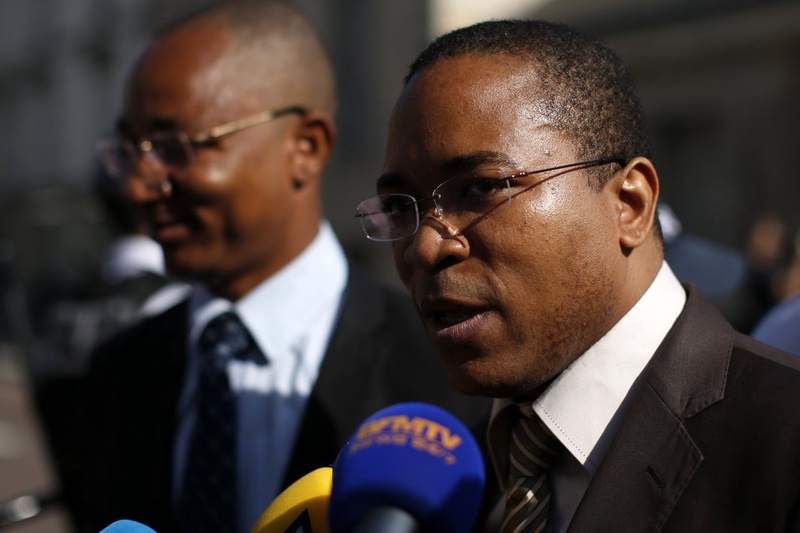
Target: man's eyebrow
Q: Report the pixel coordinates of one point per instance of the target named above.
(455, 165)
(157, 124)
(479, 159)
(390, 181)
(161, 124)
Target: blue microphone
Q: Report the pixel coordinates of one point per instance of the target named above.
(409, 467)
(127, 526)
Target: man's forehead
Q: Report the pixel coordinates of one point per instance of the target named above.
(472, 104)
(473, 86)
(186, 82)
(192, 45)
(476, 70)
(471, 93)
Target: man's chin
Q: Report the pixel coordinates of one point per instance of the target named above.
(181, 263)
(472, 380)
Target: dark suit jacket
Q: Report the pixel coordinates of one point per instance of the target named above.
(710, 442)
(378, 355)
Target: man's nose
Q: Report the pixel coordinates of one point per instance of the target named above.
(435, 241)
(148, 180)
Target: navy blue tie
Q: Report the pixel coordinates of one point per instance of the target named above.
(208, 502)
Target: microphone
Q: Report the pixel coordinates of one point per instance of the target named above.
(127, 526)
(408, 468)
(301, 508)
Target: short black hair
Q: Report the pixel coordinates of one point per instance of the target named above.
(582, 83)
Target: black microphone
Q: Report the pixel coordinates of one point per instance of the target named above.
(386, 519)
(409, 468)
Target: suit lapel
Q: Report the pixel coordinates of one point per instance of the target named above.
(644, 472)
(652, 457)
(333, 404)
(163, 370)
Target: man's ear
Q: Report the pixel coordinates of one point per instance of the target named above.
(314, 137)
(637, 192)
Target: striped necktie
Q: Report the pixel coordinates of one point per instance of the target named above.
(533, 450)
(208, 500)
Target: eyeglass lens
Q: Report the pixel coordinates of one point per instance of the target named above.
(389, 216)
(460, 201)
(172, 149)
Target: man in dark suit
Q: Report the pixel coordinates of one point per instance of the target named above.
(520, 202)
(227, 124)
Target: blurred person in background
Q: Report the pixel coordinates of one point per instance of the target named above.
(780, 327)
(199, 416)
(116, 294)
(734, 283)
(129, 284)
(771, 253)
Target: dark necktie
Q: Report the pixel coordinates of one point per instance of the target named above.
(533, 451)
(208, 500)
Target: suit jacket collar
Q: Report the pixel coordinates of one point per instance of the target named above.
(652, 457)
(345, 361)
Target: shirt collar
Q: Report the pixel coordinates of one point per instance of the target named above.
(131, 256)
(279, 310)
(582, 406)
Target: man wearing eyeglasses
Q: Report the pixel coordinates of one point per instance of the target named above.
(519, 199)
(227, 124)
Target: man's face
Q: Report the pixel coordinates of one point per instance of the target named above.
(513, 299)
(227, 217)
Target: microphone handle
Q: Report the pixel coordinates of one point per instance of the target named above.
(386, 519)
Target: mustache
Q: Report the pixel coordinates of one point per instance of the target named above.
(431, 289)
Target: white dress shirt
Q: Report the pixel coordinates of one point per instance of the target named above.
(584, 406)
(130, 256)
(290, 316)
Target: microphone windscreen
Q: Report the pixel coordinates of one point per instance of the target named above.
(411, 456)
(301, 508)
(127, 526)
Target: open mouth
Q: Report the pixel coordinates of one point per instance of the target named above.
(450, 318)
(451, 323)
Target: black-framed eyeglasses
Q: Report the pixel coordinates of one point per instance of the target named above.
(460, 201)
(174, 149)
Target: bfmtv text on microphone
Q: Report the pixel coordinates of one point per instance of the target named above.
(411, 467)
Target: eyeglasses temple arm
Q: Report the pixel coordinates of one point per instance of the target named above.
(242, 123)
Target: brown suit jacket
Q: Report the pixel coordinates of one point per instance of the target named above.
(710, 442)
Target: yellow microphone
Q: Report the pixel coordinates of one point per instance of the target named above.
(301, 508)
